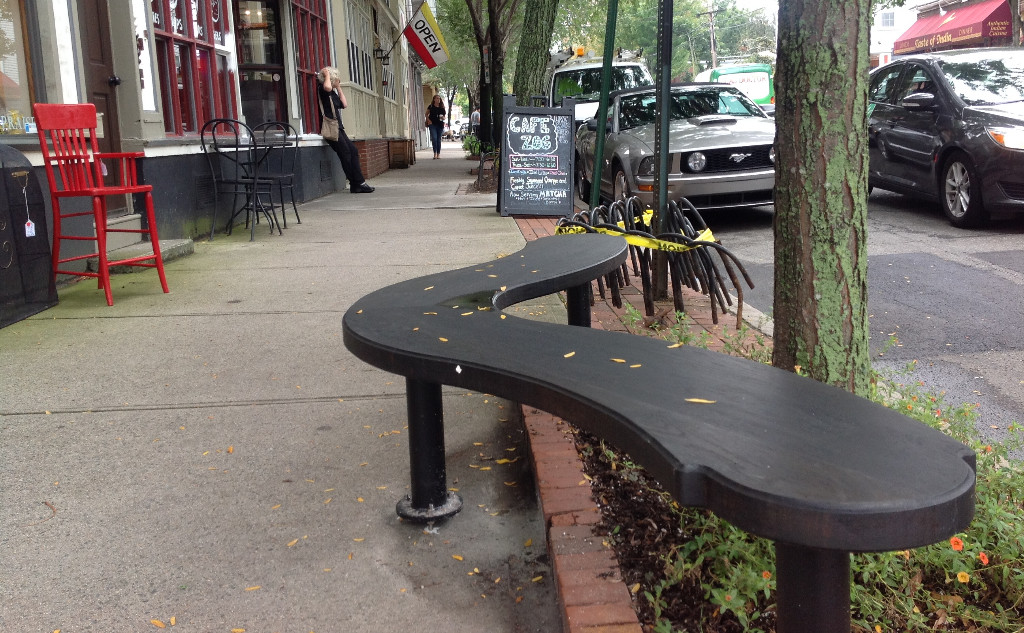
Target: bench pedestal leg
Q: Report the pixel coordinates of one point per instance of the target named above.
(430, 498)
(578, 305)
(813, 589)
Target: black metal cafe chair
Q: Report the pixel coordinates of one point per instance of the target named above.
(236, 170)
(277, 147)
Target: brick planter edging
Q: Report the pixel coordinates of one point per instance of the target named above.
(591, 593)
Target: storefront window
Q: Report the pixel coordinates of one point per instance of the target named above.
(313, 49)
(360, 44)
(219, 21)
(188, 34)
(177, 21)
(15, 72)
(260, 61)
(184, 88)
(146, 84)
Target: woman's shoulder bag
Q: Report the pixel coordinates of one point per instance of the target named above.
(329, 129)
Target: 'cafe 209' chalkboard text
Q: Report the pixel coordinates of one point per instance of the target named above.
(537, 160)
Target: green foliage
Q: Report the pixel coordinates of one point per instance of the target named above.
(977, 577)
(974, 581)
(740, 35)
(471, 144)
(463, 66)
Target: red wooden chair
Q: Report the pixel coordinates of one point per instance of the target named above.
(74, 168)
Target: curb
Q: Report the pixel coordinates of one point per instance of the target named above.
(169, 251)
(592, 596)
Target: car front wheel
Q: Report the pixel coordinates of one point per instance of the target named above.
(960, 192)
(620, 187)
(582, 185)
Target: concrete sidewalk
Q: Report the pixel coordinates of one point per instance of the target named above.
(215, 459)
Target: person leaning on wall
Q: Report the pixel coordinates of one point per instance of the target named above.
(333, 101)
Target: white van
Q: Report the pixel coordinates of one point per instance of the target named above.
(579, 76)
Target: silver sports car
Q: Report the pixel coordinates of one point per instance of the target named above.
(721, 150)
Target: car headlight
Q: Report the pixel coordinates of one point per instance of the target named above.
(646, 167)
(771, 154)
(1008, 137)
(696, 161)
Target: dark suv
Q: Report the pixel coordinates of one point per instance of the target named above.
(950, 127)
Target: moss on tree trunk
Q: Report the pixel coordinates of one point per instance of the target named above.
(820, 306)
(534, 50)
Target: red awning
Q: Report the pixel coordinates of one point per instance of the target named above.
(964, 26)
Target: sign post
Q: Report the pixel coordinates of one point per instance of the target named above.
(537, 159)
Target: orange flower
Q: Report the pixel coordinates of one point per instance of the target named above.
(963, 577)
(983, 557)
(957, 544)
(988, 449)
(766, 575)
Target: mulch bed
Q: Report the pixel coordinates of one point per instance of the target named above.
(485, 183)
(643, 530)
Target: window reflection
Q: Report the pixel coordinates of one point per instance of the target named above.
(15, 92)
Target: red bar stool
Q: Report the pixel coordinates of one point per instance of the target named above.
(67, 138)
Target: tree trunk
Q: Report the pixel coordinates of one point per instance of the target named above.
(534, 50)
(821, 191)
(1015, 23)
(494, 24)
(484, 130)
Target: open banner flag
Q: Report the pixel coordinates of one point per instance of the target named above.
(425, 37)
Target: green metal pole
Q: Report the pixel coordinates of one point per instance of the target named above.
(663, 106)
(602, 108)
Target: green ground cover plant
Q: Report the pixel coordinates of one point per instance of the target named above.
(471, 143)
(972, 582)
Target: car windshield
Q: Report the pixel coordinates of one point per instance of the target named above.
(585, 84)
(986, 81)
(639, 109)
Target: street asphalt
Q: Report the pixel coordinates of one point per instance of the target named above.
(214, 459)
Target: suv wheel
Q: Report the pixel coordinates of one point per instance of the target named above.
(960, 192)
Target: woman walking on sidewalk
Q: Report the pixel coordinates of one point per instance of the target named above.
(333, 101)
(435, 123)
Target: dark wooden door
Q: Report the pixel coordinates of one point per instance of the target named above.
(100, 79)
(101, 86)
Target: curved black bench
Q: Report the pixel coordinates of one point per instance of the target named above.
(814, 468)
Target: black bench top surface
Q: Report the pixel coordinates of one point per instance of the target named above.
(776, 454)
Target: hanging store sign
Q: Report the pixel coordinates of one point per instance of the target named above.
(425, 37)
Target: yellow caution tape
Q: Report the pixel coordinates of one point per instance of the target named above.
(641, 241)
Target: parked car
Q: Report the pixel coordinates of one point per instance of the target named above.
(577, 74)
(720, 146)
(950, 127)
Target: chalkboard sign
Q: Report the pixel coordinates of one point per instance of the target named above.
(537, 159)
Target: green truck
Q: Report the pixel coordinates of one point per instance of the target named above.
(755, 80)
